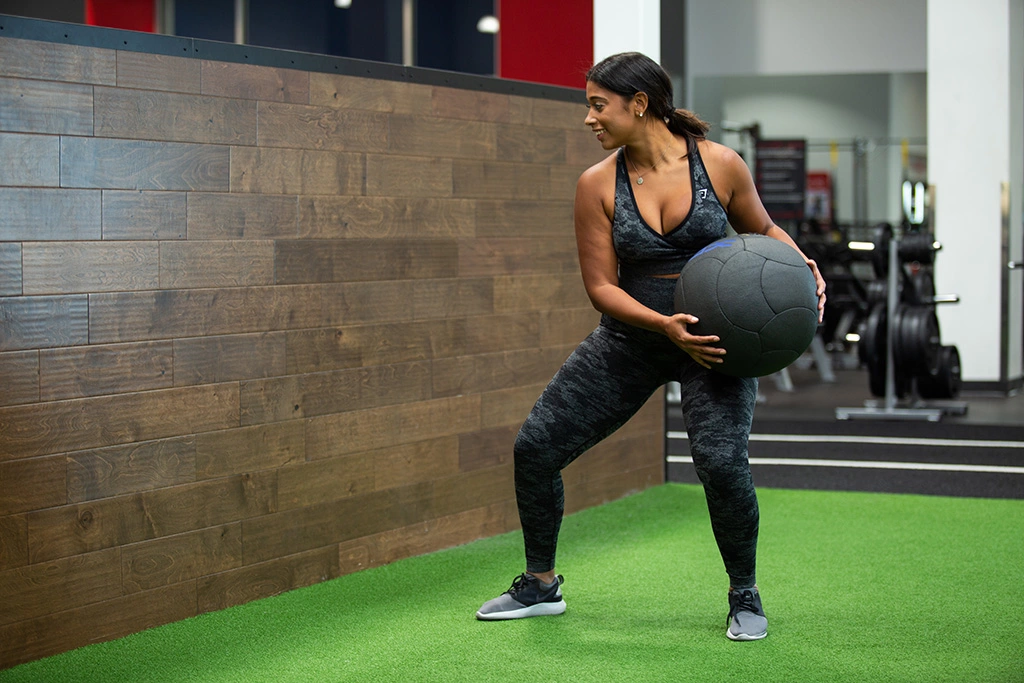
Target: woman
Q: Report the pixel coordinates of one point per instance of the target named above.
(640, 215)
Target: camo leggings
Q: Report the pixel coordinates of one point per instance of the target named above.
(602, 384)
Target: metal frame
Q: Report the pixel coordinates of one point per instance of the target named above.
(151, 43)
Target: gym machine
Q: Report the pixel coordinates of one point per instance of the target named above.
(915, 376)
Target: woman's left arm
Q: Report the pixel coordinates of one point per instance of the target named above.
(748, 215)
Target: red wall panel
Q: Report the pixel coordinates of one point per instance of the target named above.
(133, 15)
(545, 42)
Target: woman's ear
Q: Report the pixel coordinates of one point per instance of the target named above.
(639, 104)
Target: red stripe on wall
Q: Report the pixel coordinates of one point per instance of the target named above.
(133, 15)
(545, 42)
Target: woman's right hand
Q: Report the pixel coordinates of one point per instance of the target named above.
(700, 348)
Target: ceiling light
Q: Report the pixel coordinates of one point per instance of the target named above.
(487, 24)
(342, 4)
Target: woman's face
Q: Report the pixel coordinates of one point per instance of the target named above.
(610, 115)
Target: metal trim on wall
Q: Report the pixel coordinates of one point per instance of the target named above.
(1004, 281)
(117, 39)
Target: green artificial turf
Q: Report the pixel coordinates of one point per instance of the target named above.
(857, 587)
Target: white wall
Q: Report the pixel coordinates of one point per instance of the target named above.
(969, 158)
(775, 37)
(633, 26)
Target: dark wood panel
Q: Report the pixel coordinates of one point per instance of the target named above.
(250, 449)
(32, 484)
(83, 267)
(81, 424)
(400, 176)
(144, 165)
(508, 407)
(155, 115)
(502, 180)
(42, 322)
(471, 490)
(29, 160)
(552, 113)
(207, 360)
(364, 430)
(539, 292)
(19, 375)
(605, 490)
(298, 396)
(453, 298)
(94, 525)
(108, 369)
(532, 145)
(629, 449)
(45, 214)
(131, 468)
(167, 561)
(409, 464)
(56, 62)
(325, 480)
(266, 579)
(13, 542)
(424, 537)
(308, 127)
(137, 215)
(254, 82)
(10, 269)
(315, 526)
(563, 182)
(201, 312)
(354, 92)
(536, 219)
(443, 138)
(581, 149)
(492, 371)
(486, 448)
(237, 263)
(473, 105)
(40, 107)
(157, 72)
(323, 349)
(33, 639)
(37, 590)
(567, 326)
(274, 170)
(245, 216)
(382, 217)
(303, 261)
(513, 256)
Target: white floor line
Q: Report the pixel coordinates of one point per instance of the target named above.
(870, 465)
(884, 440)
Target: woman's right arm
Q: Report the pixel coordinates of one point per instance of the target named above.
(592, 216)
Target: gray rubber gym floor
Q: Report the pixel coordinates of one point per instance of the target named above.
(797, 442)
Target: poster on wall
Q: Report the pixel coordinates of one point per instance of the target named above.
(818, 204)
(780, 173)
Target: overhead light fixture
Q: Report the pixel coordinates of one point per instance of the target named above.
(342, 4)
(487, 24)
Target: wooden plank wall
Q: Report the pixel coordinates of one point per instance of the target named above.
(260, 328)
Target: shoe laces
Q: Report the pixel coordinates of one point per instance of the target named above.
(519, 583)
(742, 601)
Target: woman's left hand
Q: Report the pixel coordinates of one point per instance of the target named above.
(819, 288)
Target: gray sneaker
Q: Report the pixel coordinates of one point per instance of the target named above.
(746, 616)
(527, 597)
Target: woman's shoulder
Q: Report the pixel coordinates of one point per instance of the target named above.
(716, 154)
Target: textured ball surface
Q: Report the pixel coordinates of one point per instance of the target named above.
(757, 294)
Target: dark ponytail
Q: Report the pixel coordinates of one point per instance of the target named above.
(689, 125)
(628, 73)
